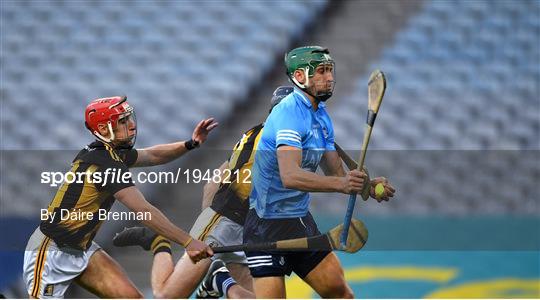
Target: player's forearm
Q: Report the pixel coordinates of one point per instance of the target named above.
(133, 199)
(294, 177)
(160, 224)
(164, 153)
(306, 181)
(333, 170)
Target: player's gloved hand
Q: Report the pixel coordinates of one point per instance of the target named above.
(200, 133)
(198, 250)
(389, 190)
(354, 181)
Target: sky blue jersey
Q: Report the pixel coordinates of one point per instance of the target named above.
(294, 123)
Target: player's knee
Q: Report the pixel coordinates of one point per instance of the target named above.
(167, 294)
(163, 294)
(160, 295)
(339, 290)
(343, 292)
(347, 293)
(132, 294)
(126, 291)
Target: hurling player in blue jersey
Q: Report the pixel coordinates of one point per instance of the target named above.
(298, 136)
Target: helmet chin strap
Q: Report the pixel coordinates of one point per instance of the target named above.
(298, 84)
(107, 140)
(124, 144)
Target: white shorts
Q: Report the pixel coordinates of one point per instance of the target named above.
(217, 230)
(48, 270)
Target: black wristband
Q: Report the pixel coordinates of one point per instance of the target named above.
(191, 144)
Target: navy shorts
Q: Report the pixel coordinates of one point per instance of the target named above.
(280, 263)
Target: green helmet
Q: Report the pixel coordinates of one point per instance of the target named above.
(308, 56)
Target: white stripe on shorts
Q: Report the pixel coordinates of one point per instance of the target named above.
(258, 265)
(258, 257)
(260, 261)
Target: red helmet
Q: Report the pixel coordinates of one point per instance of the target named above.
(107, 111)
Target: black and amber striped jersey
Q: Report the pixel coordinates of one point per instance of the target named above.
(232, 198)
(90, 190)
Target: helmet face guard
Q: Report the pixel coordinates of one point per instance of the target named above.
(321, 91)
(126, 122)
(308, 59)
(114, 112)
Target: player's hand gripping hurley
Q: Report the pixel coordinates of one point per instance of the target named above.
(376, 88)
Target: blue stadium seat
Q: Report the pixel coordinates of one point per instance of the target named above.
(459, 75)
(190, 60)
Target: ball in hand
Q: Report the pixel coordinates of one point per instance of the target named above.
(379, 190)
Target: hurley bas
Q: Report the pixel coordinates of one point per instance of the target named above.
(102, 214)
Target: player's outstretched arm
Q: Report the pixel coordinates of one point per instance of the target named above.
(294, 177)
(133, 199)
(164, 153)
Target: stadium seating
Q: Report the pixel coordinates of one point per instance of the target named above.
(203, 53)
(458, 133)
(483, 70)
(178, 62)
(462, 75)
